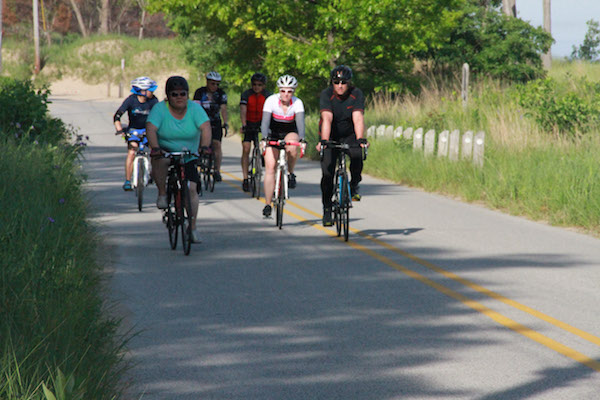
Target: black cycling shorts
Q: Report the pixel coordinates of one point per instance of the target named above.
(251, 132)
(217, 131)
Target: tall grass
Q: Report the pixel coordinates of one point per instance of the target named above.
(527, 171)
(51, 312)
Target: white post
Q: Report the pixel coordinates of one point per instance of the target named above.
(465, 85)
(429, 142)
(418, 140)
(454, 145)
(36, 37)
(122, 77)
(408, 133)
(397, 131)
(379, 131)
(443, 144)
(478, 147)
(467, 145)
(371, 131)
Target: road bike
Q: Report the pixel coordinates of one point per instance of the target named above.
(255, 169)
(281, 176)
(206, 167)
(342, 199)
(140, 177)
(178, 215)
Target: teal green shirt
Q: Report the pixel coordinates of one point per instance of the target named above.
(178, 134)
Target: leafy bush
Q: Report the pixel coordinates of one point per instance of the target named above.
(24, 113)
(559, 110)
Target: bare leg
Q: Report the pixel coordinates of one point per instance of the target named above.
(270, 162)
(218, 153)
(291, 151)
(245, 158)
(160, 167)
(129, 160)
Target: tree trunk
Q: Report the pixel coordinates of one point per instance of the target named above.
(104, 14)
(509, 7)
(141, 35)
(79, 18)
(547, 58)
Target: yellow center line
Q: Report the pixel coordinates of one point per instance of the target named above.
(499, 318)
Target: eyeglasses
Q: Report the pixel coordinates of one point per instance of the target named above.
(183, 93)
(286, 91)
(339, 82)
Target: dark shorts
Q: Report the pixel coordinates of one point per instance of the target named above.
(191, 171)
(251, 133)
(217, 131)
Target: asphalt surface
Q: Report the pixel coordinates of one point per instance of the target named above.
(430, 299)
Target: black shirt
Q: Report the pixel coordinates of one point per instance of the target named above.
(136, 111)
(342, 108)
(211, 106)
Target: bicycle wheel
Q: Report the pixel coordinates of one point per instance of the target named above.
(280, 200)
(171, 217)
(139, 188)
(337, 215)
(199, 185)
(186, 218)
(345, 207)
(209, 174)
(256, 173)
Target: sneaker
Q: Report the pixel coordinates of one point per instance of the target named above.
(161, 202)
(218, 177)
(292, 181)
(267, 211)
(196, 236)
(127, 186)
(246, 185)
(354, 192)
(327, 219)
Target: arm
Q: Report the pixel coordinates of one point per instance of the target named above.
(205, 136)
(358, 119)
(224, 113)
(264, 125)
(243, 111)
(326, 121)
(152, 135)
(300, 125)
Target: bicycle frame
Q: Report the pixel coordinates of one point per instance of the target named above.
(142, 154)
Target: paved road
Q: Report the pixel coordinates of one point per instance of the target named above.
(430, 299)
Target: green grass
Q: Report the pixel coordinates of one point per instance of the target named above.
(51, 313)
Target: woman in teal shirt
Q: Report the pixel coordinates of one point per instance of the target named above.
(177, 124)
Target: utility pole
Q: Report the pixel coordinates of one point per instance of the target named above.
(36, 37)
(509, 7)
(547, 58)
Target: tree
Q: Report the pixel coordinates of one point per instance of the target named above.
(377, 38)
(1, 32)
(79, 17)
(589, 48)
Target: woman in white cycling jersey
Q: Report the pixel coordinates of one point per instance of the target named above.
(283, 118)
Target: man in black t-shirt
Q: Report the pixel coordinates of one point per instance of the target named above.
(342, 119)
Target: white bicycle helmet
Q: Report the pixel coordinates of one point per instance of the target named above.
(287, 81)
(142, 83)
(214, 76)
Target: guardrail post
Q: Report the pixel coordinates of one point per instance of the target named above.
(371, 131)
(429, 142)
(398, 132)
(478, 147)
(443, 144)
(467, 145)
(379, 131)
(418, 140)
(389, 131)
(408, 133)
(454, 145)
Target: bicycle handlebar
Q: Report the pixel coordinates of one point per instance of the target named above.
(344, 147)
(281, 143)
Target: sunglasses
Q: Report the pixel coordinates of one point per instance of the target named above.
(214, 83)
(258, 84)
(183, 93)
(339, 82)
(286, 91)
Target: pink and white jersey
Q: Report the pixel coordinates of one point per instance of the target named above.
(273, 106)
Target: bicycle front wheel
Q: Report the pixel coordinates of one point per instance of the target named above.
(345, 208)
(186, 218)
(256, 173)
(280, 200)
(139, 188)
(171, 218)
(209, 174)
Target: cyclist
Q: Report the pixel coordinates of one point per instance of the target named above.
(137, 106)
(214, 101)
(251, 106)
(177, 124)
(342, 119)
(283, 118)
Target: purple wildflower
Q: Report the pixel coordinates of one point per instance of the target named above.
(51, 220)
(61, 201)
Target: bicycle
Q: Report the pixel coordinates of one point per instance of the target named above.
(140, 178)
(281, 176)
(342, 200)
(178, 214)
(207, 170)
(255, 168)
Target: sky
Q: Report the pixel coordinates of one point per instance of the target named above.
(569, 19)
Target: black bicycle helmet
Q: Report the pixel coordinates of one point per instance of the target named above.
(258, 77)
(341, 72)
(176, 82)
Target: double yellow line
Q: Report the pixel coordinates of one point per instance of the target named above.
(496, 316)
